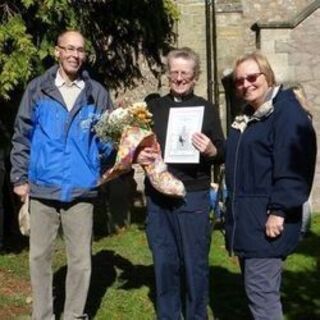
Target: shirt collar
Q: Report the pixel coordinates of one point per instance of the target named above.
(59, 81)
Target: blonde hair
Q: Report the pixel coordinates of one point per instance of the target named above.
(187, 54)
(301, 96)
(262, 63)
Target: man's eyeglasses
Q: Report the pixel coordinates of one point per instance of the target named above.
(174, 75)
(250, 78)
(72, 50)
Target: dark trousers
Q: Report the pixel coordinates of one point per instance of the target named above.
(179, 236)
(262, 280)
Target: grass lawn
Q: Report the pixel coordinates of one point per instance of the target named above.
(123, 285)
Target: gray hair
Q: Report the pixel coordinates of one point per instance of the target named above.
(187, 54)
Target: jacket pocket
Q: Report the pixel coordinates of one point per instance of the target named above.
(250, 219)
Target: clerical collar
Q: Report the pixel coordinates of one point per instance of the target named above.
(181, 98)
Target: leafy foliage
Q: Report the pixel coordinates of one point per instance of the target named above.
(16, 54)
(118, 33)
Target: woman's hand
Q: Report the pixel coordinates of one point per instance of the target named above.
(274, 226)
(202, 143)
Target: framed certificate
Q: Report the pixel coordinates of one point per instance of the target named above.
(182, 123)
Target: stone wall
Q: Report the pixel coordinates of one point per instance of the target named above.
(234, 22)
(147, 85)
(191, 31)
(304, 60)
(294, 54)
(234, 36)
(234, 19)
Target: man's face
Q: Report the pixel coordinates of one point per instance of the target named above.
(181, 76)
(70, 53)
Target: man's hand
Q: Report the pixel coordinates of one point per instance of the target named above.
(22, 191)
(202, 143)
(274, 226)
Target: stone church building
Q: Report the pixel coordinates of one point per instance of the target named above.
(286, 31)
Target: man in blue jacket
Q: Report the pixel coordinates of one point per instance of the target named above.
(56, 160)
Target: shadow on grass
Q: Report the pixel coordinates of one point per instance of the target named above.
(227, 299)
(132, 276)
(310, 245)
(300, 293)
(104, 265)
(300, 289)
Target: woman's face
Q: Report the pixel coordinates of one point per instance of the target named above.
(181, 76)
(250, 83)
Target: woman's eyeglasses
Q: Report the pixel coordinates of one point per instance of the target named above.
(250, 78)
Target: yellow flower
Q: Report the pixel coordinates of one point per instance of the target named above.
(111, 126)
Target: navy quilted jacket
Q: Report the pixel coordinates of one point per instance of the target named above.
(269, 168)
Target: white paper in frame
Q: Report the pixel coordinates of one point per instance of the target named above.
(182, 123)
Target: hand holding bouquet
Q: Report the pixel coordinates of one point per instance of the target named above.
(129, 129)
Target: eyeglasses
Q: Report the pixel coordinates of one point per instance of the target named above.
(72, 50)
(250, 78)
(174, 75)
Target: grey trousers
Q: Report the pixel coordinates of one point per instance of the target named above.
(262, 280)
(76, 221)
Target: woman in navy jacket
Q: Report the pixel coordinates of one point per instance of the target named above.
(270, 161)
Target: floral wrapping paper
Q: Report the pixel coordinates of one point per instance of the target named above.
(132, 140)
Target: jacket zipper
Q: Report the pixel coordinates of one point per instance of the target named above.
(233, 195)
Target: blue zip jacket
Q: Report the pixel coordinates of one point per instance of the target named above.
(54, 150)
(269, 168)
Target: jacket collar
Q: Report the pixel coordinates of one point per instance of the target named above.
(264, 111)
(49, 87)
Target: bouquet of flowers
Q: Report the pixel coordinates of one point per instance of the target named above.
(129, 129)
